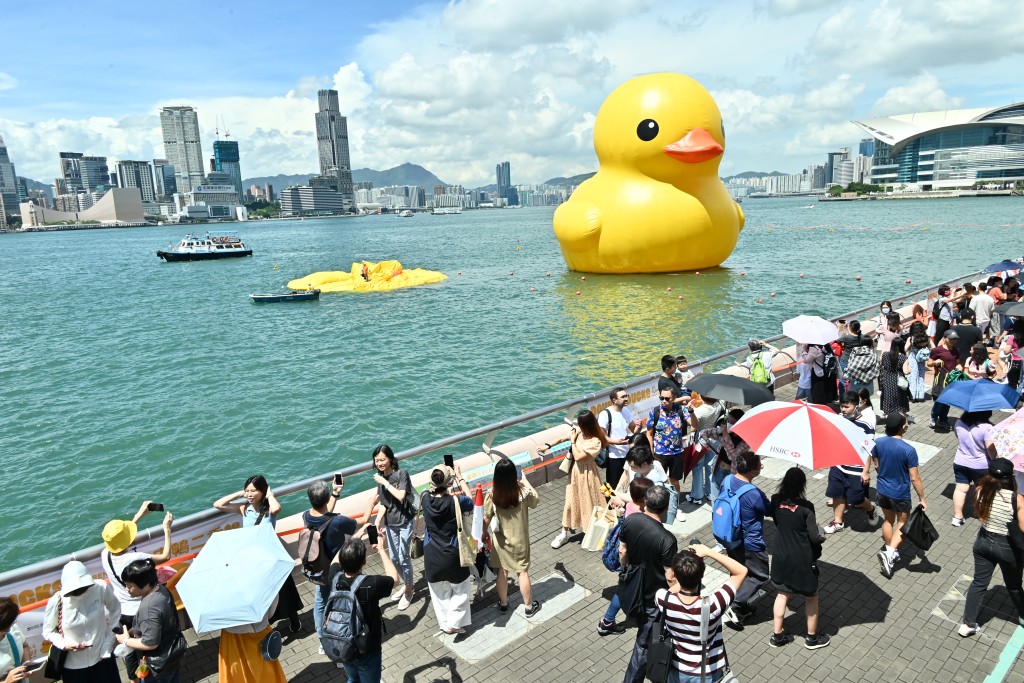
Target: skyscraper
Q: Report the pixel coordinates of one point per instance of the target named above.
(137, 174)
(95, 174)
(225, 160)
(332, 143)
(8, 180)
(182, 146)
(163, 174)
(503, 171)
(70, 173)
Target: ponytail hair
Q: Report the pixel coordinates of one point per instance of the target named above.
(986, 493)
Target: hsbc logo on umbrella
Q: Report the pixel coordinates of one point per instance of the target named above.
(777, 450)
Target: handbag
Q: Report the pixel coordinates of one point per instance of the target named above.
(54, 669)
(567, 462)
(270, 647)
(602, 519)
(631, 589)
(174, 653)
(601, 459)
(416, 547)
(902, 382)
(659, 651)
(919, 530)
(466, 555)
(938, 383)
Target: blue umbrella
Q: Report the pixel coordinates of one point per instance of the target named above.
(235, 578)
(1003, 265)
(979, 394)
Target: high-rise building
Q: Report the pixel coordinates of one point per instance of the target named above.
(8, 179)
(95, 174)
(332, 144)
(268, 191)
(225, 160)
(182, 146)
(70, 173)
(163, 173)
(867, 147)
(137, 174)
(503, 171)
(832, 163)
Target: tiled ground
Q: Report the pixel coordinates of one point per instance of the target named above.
(900, 630)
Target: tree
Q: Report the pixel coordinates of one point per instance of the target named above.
(835, 190)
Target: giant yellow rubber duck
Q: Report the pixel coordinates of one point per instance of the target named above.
(656, 204)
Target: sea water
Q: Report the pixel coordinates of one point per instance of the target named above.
(125, 378)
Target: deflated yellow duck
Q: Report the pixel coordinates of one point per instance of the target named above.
(656, 204)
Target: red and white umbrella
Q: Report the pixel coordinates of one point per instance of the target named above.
(805, 434)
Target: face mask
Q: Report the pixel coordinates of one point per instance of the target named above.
(885, 309)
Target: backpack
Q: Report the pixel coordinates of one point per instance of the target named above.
(610, 551)
(653, 424)
(345, 634)
(937, 309)
(316, 561)
(725, 514)
(829, 363)
(758, 372)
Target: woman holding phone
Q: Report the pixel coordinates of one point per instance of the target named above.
(261, 506)
(396, 516)
(506, 514)
(79, 620)
(584, 490)
(451, 590)
(13, 653)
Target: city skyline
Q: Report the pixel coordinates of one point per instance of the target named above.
(457, 86)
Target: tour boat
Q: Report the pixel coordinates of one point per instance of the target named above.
(446, 210)
(405, 214)
(294, 295)
(214, 245)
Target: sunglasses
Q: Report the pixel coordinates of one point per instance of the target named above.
(666, 398)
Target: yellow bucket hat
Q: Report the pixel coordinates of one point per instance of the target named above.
(118, 535)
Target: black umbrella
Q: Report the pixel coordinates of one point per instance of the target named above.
(1011, 308)
(730, 388)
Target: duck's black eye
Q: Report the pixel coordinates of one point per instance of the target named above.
(647, 130)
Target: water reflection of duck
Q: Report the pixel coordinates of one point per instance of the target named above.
(656, 204)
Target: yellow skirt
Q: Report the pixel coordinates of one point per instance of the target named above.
(241, 660)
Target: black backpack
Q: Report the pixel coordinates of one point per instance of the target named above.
(316, 561)
(345, 632)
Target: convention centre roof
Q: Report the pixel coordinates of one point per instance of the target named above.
(900, 129)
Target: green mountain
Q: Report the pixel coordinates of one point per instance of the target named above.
(574, 180)
(406, 174)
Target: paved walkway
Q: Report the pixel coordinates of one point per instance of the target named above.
(898, 630)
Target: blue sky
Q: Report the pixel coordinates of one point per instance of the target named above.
(459, 86)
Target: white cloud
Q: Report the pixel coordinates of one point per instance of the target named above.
(7, 81)
(921, 93)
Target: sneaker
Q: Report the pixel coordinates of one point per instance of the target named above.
(780, 639)
(533, 608)
(872, 513)
(503, 608)
(834, 526)
(911, 420)
(680, 516)
(294, 625)
(958, 521)
(404, 602)
(320, 650)
(561, 539)
(931, 424)
(816, 641)
(691, 500)
(605, 628)
(968, 630)
(397, 595)
(886, 563)
(732, 618)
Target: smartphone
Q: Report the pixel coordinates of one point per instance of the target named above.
(155, 507)
(34, 664)
(371, 534)
(119, 629)
(519, 472)
(339, 479)
(449, 460)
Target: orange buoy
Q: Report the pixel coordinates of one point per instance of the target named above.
(680, 296)
(772, 294)
(801, 274)
(577, 292)
(533, 289)
(548, 275)
(584, 278)
(668, 289)
(908, 281)
(743, 273)
(697, 273)
(760, 301)
(460, 272)
(858, 278)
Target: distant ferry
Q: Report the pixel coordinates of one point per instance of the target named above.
(444, 210)
(214, 245)
(406, 213)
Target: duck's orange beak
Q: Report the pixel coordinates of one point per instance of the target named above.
(697, 146)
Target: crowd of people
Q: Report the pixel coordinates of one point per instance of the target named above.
(645, 460)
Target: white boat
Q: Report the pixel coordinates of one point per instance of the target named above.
(215, 245)
(446, 210)
(406, 213)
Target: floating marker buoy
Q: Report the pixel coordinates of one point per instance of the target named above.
(831, 229)
(668, 289)
(743, 273)
(680, 296)
(760, 301)
(584, 278)
(697, 273)
(533, 289)
(511, 274)
(908, 281)
(275, 267)
(547, 275)
(801, 274)
(460, 272)
(772, 294)
(925, 229)
(769, 229)
(858, 278)
(518, 248)
(577, 292)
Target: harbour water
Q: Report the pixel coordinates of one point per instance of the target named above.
(125, 378)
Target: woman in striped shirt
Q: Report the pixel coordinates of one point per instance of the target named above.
(994, 506)
(681, 605)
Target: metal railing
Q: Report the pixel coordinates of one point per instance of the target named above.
(489, 431)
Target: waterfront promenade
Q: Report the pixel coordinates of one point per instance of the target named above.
(901, 629)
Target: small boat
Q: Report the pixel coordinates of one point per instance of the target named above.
(406, 213)
(294, 295)
(215, 245)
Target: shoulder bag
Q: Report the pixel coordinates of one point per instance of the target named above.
(466, 555)
(601, 459)
(660, 649)
(631, 589)
(171, 657)
(569, 460)
(55, 659)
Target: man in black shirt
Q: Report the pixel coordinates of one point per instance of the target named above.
(644, 540)
(968, 334)
(668, 380)
(351, 562)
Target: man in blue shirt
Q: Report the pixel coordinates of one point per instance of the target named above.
(753, 552)
(896, 464)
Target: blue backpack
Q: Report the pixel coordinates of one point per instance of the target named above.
(610, 551)
(725, 514)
